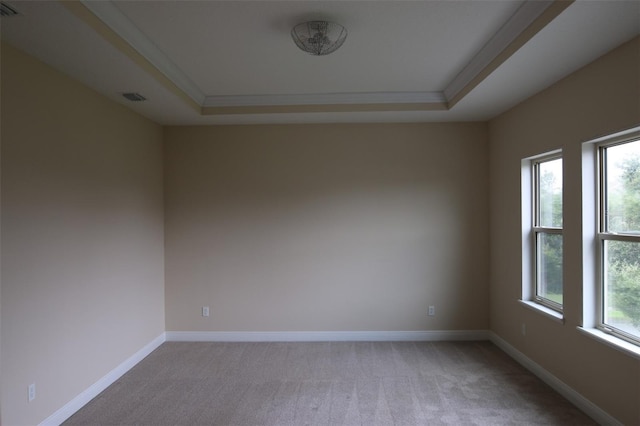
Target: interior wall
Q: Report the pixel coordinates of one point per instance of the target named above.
(280, 228)
(600, 99)
(82, 237)
(0, 243)
(326, 227)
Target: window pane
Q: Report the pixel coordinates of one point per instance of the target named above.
(622, 286)
(549, 273)
(623, 188)
(550, 193)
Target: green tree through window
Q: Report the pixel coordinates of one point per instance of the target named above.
(621, 214)
(547, 228)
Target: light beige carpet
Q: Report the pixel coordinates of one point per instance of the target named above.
(329, 383)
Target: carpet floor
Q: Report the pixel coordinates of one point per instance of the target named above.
(329, 383)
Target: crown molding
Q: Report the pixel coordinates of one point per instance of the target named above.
(121, 26)
(530, 18)
(330, 102)
(109, 14)
(320, 108)
(326, 99)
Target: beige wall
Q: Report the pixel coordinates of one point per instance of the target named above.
(0, 241)
(326, 227)
(602, 98)
(82, 237)
(280, 228)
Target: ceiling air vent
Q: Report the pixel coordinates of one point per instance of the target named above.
(134, 97)
(7, 11)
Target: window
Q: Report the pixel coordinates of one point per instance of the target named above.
(546, 231)
(618, 238)
(542, 239)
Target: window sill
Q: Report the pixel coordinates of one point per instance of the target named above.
(612, 341)
(547, 312)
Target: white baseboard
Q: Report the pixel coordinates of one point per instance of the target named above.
(562, 388)
(324, 336)
(592, 410)
(92, 391)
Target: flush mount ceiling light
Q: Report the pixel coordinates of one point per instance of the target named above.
(319, 37)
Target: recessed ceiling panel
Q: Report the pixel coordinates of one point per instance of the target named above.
(235, 53)
(245, 47)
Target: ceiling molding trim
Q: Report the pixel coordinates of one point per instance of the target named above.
(107, 20)
(327, 99)
(520, 20)
(528, 20)
(298, 109)
(102, 29)
(118, 22)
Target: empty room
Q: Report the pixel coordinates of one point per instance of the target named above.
(320, 212)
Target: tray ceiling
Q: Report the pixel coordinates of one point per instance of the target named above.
(234, 61)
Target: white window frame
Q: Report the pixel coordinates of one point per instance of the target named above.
(537, 230)
(603, 235)
(530, 232)
(592, 247)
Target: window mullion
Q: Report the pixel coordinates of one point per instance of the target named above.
(617, 239)
(546, 230)
(611, 236)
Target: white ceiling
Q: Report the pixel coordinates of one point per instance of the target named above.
(192, 54)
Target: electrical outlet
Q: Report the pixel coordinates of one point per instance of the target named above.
(205, 311)
(432, 310)
(32, 392)
(524, 329)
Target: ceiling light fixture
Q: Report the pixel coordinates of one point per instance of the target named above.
(319, 37)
